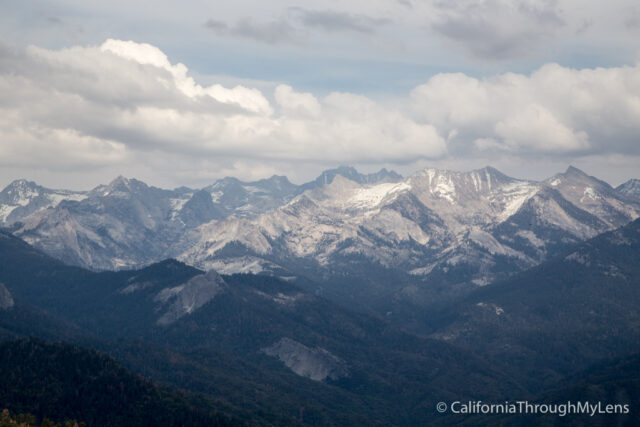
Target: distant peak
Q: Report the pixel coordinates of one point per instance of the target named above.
(119, 180)
(121, 183)
(633, 182)
(22, 183)
(344, 168)
(630, 188)
(21, 189)
(352, 174)
(496, 173)
(227, 180)
(575, 176)
(277, 178)
(485, 170)
(571, 170)
(491, 169)
(345, 171)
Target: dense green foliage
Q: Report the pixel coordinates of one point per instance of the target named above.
(61, 381)
(29, 420)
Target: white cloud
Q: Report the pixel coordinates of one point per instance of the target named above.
(143, 53)
(297, 104)
(125, 97)
(29, 145)
(125, 104)
(553, 110)
(535, 128)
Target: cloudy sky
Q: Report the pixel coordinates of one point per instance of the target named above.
(183, 93)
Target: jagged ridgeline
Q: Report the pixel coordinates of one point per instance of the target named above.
(360, 237)
(519, 286)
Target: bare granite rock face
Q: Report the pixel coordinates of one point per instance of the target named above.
(188, 297)
(6, 300)
(317, 363)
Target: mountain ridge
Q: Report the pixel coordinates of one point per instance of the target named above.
(457, 230)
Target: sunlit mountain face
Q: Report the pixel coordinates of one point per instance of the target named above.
(359, 237)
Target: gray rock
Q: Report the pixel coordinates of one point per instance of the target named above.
(317, 363)
(6, 300)
(181, 300)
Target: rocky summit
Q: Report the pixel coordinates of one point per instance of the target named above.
(344, 230)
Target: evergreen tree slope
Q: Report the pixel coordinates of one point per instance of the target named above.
(61, 381)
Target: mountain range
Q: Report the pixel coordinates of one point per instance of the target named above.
(274, 353)
(254, 342)
(376, 240)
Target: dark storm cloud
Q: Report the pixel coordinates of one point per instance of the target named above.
(272, 32)
(334, 21)
(497, 29)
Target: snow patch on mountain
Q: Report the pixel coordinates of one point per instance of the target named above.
(5, 211)
(441, 184)
(490, 306)
(512, 197)
(589, 193)
(57, 198)
(370, 197)
(178, 203)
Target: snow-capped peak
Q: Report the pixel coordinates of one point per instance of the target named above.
(20, 192)
(630, 189)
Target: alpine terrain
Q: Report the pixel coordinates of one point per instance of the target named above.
(376, 240)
